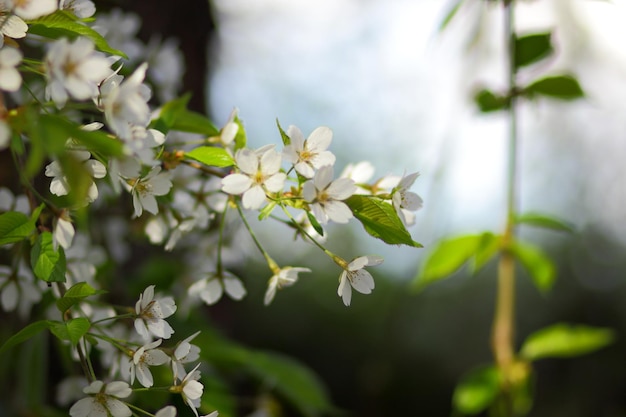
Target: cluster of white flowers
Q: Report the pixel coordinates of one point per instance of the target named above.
(135, 155)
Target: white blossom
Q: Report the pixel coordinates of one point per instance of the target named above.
(10, 78)
(405, 201)
(145, 189)
(11, 26)
(259, 175)
(166, 67)
(60, 184)
(310, 154)
(144, 357)
(103, 400)
(325, 196)
(355, 276)
(10, 202)
(63, 232)
(285, 277)
(120, 30)
(168, 411)
(81, 8)
(191, 389)
(151, 314)
(74, 69)
(31, 9)
(185, 352)
(19, 290)
(211, 288)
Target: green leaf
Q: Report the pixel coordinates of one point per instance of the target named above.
(487, 101)
(532, 48)
(283, 135)
(63, 24)
(26, 333)
(240, 138)
(75, 294)
(15, 226)
(452, 253)
(211, 156)
(563, 341)
(48, 264)
(477, 390)
(450, 15)
(380, 220)
(487, 248)
(174, 115)
(315, 224)
(72, 330)
(562, 87)
(95, 141)
(544, 221)
(538, 265)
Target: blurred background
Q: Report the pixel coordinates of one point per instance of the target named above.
(397, 91)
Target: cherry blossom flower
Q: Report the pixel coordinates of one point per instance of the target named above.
(355, 276)
(63, 232)
(144, 357)
(19, 290)
(166, 67)
(151, 315)
(211, 288)
(60, 185)
(168, 411)
(74, 69)
(144, 189)
(31, 9)
(185, 352)
(404, 201)
(125, 102)
(10, 78)
(310, 154)
(285, 277)
(259, 175)
(325, 196)
(120, 30)
(10, 202)
(228, 132)
(191, 389)
(81, 8)
(103, 400)
(11, 26)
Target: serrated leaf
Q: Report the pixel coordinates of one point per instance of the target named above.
(380, 220)
(487, 101)
(283, 135)
(563, 341)
(562, 87)
(63, 24)
(538, 265)
(15, 226)
(48, 264)
(26, 333)
(76, 294)
(211, 156)
(532, 48)
(447, 257)
(477, 390)
(544, 221)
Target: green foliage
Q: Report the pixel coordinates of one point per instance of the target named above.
(283, 135)
(532, 48)
(174, 115)
(240, 138)
(487, 101)
(26, 333)
(48, 263)
(562, 87)
(288, 378)
(211, 156)
(450, 15)
(61, 129)
(71, 330)
(564, 340)
(449, 255)
(544, 221)
(477, 390)
(538, 265)
(380, 220)
(76, 294)
(16, 226)
(62, 24)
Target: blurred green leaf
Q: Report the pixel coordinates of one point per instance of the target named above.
(15, 226)
(25, 334)
(211, 156)
(62, 24)
(562, 87)
(477, 390)
(315, 224)
(48, 264)
(174, 115)
(94, 141)
(380, 220)
(532, 48)
(563, 341)
(283, 135)
(76, 294)
(451, 254)
(487, 101)
(538, 265)
(450, 15)
(487, 248)
(240, 138)
(72, 330)
(544, 221)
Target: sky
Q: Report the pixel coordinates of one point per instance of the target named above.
(397, 91)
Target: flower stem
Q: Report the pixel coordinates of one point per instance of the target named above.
(270, 262)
